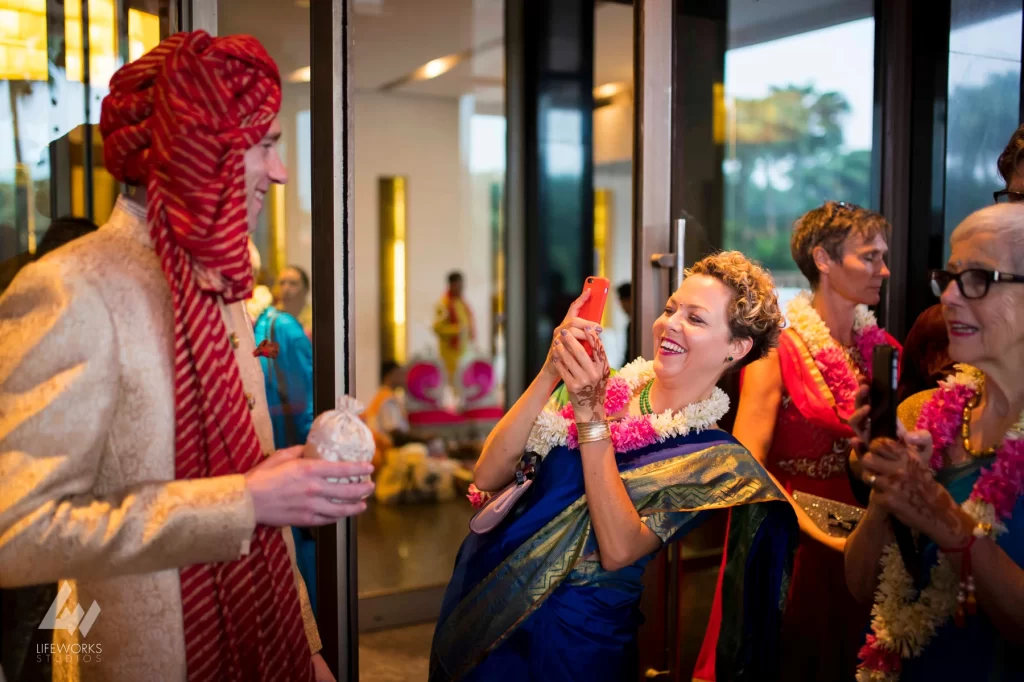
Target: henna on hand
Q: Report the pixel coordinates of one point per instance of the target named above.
(924, 504)
(589, 399)
(600, 355)
(592, 397)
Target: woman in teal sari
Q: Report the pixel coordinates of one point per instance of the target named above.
(622, 466)
(956, 479)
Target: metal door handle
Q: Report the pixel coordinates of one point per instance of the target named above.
(671, 261)
(674, 261)
(652, 673)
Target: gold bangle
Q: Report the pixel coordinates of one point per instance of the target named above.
(592, 432)
(983, 530)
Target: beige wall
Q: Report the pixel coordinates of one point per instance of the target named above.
(448, 228)
(613, 131)
(613, 171)
(417, 137)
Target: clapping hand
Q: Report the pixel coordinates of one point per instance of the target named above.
(902, 483)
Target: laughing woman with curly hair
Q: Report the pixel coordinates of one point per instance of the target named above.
(629, 463)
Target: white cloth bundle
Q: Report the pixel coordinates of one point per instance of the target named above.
(339, 435)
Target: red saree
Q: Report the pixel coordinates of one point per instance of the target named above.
(823, 626)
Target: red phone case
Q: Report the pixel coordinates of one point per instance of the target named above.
(593, 309)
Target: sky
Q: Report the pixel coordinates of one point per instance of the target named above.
(841, 58)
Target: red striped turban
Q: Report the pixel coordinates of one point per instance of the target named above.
(180, 120)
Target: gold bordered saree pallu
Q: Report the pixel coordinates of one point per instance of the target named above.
(528, 602)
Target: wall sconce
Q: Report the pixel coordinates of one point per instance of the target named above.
(393, 215)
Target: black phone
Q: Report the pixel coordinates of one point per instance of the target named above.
(884, 380)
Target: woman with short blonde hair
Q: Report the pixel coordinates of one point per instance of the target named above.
(792, 416)
(627, 463)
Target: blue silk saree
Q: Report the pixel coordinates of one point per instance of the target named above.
(976, 652)
(527, 601)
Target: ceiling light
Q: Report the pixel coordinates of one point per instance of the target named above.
(608, 90)
(436, 67)
(299, 75)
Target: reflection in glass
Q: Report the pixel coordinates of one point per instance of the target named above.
(103, 54)
(984, 102)
(280, 305)
(431, 114)
(43, 154)
(613, 166)
(798, 132)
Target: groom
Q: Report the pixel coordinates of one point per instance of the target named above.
(135, 442)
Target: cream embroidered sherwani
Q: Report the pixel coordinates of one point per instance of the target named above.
(87, 451)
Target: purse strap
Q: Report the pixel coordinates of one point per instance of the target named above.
(497, 508)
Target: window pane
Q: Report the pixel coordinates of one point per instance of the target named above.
(430, 132)
(613, 167)
(799, 125)
(43, 159)
(984, 102)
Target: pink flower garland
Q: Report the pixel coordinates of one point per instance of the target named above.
(865, 342)
(477, 497)
(879, 659)
(941, 415)
(1000, 485)
(835, 369)
(629, 433)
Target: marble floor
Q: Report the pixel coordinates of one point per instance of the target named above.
(407, 547)
(396, 655)
(405, 552)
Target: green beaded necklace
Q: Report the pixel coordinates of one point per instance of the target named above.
(645, 399)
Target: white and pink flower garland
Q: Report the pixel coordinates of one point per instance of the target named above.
(903, 622)
(555, 426)
(837, 366)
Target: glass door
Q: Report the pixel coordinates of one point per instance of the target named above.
(305, 248)
(748, 115)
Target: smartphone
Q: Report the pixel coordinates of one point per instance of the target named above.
(884, 378)
(593, 309)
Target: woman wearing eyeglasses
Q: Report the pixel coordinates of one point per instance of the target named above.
(792, 417)
(956, 477)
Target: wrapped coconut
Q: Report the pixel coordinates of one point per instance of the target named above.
(339, 435)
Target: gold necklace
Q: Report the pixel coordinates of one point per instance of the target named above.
(965, 429)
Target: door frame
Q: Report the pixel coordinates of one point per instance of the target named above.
(333, 292)
(652, 224)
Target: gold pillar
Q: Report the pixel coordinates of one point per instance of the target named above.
(602, 220)
(392, 193)
(277, 259)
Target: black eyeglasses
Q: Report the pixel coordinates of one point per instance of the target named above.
(1005, 196)
(973, 283)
